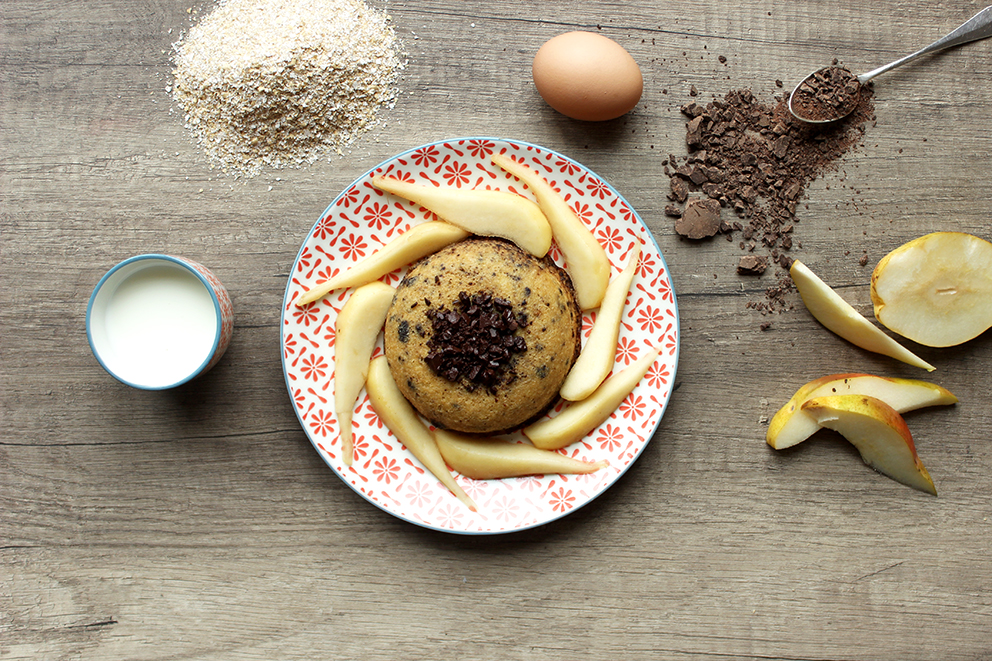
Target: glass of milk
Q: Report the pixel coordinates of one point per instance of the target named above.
(158, 321)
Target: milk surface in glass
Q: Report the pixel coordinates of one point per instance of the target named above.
(162, 325)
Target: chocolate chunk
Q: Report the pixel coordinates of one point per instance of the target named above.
(752, 265)
(697, 176)
(694, 133)
(701, 219)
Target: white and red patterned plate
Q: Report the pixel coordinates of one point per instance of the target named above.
(358, 222)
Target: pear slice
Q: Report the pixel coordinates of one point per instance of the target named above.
(397, 414)
(419, 241)
(485, 212)
(935, 290)
(580, 418)
(879, 433)
(356, 330)
(585, 259)
(596, 359)
(792, 425)
(838, 316)
(492, 458)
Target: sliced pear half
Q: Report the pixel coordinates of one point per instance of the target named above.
(493, 458)
(485, 212)
(585, 259)
(837, 315)
(935, 290)
(879, 433)
(792, 425)
(419, 241)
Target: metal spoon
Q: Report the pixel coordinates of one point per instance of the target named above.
(977, 27)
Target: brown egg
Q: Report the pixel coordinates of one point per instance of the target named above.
(587, 76)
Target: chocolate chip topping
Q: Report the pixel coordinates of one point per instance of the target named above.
(474, 342)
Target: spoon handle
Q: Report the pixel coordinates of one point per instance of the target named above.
(977, 27)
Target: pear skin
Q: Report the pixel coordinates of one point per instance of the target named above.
(879, 433)
(356, 330)
(838, 316)
(585, 259)
(791, 425)
(484, 212)
(419, 241)
(493, 458)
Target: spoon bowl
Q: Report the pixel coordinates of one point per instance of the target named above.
(825, 96)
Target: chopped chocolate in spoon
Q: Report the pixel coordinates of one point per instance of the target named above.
(826, 95)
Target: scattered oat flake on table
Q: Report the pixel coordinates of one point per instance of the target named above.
(283, 83)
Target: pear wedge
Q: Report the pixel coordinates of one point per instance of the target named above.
(493, 458)
(879, 433)
(935, 290)
(419, 241)
(580, 418)
(356, 330)
(596, 359)
(397, 414)
(792, 425)
(585, 259)
(838, 316)
(485, 212)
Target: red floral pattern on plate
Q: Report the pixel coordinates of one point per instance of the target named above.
(357, 223)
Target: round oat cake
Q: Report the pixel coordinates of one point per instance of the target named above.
(481, 335)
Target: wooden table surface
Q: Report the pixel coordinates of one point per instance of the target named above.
(199, 523)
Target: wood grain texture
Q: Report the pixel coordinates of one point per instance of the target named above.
(200, 524)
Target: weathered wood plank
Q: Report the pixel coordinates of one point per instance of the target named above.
(200, 523)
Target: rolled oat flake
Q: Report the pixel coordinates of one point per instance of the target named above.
(283, 83)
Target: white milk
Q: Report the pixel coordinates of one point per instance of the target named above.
(160, 326)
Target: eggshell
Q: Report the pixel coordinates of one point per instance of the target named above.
(587, 76)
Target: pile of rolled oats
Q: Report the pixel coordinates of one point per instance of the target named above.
(282, 83)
